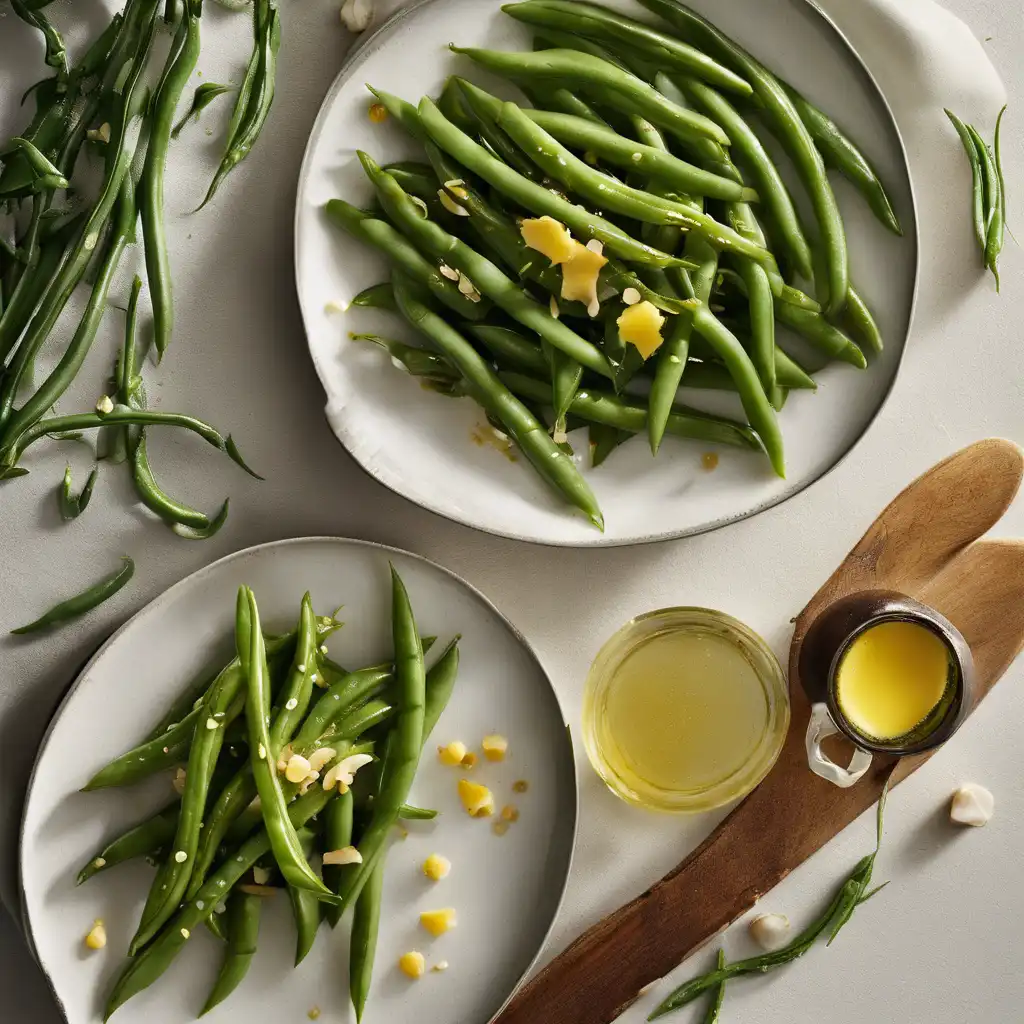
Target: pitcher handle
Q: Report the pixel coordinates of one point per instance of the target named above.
(820, 728)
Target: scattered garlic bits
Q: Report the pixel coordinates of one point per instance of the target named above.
(478, 800)
(441, 965)
(436, 867)
(549, 237)
(494, 747)
(770, 931)
(104, 405)
(640, 326)
(453, 754)
(412, 964)
(437, 922)
(297, 769)
(97, 937)
(346, 855)
(450, 205)
(343, 773)
(972, 805)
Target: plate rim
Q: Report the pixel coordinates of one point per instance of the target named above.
(602, 540)
(255, 549)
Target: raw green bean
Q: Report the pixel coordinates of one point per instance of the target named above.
(81, 603)
(284, 842)
(616, 87)
(842, 153)
(825, 337)
(256, 95)
(718, 994)
(562, 165)
(71, 505)
(997, 220)
(990, 180)
(185, 54)
(363, 943)
(508, 346)
(409, 813)
(978, 181)
(584, 224)
(770, 187)
(624, 414)
(403, 255)
(172, 512)
(145, 839)
(616, 30)
(204, 95)
(552, 463)
(56, 54)
(792, 133)
(243, 929)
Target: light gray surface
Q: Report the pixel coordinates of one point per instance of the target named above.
(936, 946)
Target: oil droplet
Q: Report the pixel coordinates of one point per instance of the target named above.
(709, 460)
(378, 113)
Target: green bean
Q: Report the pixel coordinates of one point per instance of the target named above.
(156, 500)
(792, 133)
(124, 416)
(825, 337)
(185, 53)
(840, 152)
(298, 688)
(620, 89)
(284, 842)
(551, 462)
(143, 969)
(305, 912)
(661, 165)
(712, 376)
(243, 928)
(46, 177)
(997, 219)
(409, 813)
(510, 347)
(562, 101)
(81, 603)
(584, 224)
(631, 416)
(404, 112)
(770, 186)
(991, 182)
(337, 835)
(861, 324)
(203, 96)
(146, 838)
(718, 994)
(377, 296)
(363, 944)
(617, 30)
(434, 370)
(603, 440)
(671, 364)
(403, 256)
(71, 505)
(255, 96)
(337, 701)
(978, 194)
(56, 54)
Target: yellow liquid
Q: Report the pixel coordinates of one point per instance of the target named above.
(684, 711)
(892, 677)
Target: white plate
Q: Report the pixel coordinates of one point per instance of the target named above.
(420, 445)
(505, 889)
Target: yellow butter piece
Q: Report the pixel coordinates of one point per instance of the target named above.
(549, 237)
(437, 922)
(640, 325)
(579, 275)
(412, 964)
(478, 800)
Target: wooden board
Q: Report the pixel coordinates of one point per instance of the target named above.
(925, 544)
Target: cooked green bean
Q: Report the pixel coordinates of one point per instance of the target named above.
(552, 463)
(377, 296)
(978, 181)
(603, 441)
(824, 336)
(72, 505)
(584, 224)
(617, 30)
(997, 218)
(840, 152)
(181, 64)
(145, 839)
(718, 994)
(305, 911)
(624, 414)
(434, 370)
(243, 929)
(505, 344)
(363, 943)
(173, 512)
(204, 95)
(337, 835)
(81, 603)
(792, 133)
(861, 324)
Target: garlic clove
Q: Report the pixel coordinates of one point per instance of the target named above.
(770, 931)
(971, 805)
(356, 15)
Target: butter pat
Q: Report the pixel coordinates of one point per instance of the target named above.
(580, 277)
(971, 805)
(640, 326)
(549, 237)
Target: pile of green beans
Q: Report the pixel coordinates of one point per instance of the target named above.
(220, 851)
(988, 189)
(638, 139)
(103, 100)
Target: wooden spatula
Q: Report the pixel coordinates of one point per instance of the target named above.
(926, 545)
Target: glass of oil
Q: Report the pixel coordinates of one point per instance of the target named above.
(685, 709)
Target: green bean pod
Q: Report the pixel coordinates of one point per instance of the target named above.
(824, 336)
(363, 943)
(156, 499)
(243, 929)
(861, 324)
(305, 912)
(145, 839)
(997, 220)
(76, 606)
(552, 463)
(205, 93)
(510, 347)
(337, 835)
(978, 182)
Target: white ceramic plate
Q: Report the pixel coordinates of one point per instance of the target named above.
(506, 889)
(420, 445)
